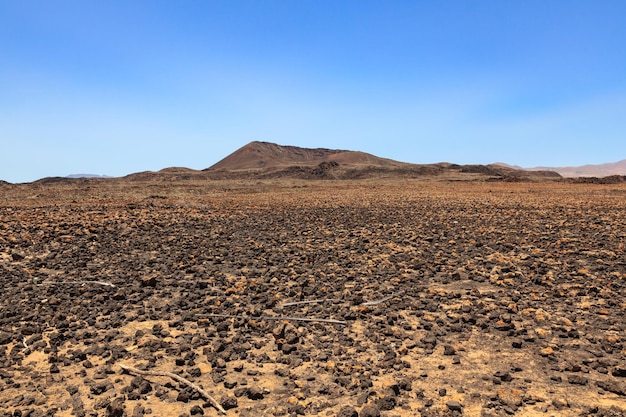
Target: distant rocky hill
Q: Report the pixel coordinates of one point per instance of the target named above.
(264, 160)
(269, 160)
(87, 176)
(265, 155)
(599, 170)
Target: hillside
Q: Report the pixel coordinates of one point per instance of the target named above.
(269, 160)
(599, 170)
(265, 155)
(589, 170)
(264, 160)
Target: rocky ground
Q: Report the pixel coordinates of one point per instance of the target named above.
(434, 298)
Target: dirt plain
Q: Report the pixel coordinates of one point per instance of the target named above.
(450, 298)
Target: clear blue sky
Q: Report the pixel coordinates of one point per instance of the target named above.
(114, 87)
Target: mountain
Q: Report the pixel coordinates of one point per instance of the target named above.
(599, 171)
(87, 176)
(265, 160)
(265, 155)
(269, 160)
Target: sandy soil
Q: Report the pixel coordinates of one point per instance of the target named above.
(441, 298)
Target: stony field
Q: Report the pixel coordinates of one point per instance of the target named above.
(284, 298)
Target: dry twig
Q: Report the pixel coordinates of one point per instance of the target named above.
(179, 379)
(105, 284)
(382, 300)
(26, 347)
(274, 318)
(295, 303)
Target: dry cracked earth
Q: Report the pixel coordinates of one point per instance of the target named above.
(390, 298)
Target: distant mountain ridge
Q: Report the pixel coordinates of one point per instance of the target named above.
(599, 170)
(266, 160)
(87, 176)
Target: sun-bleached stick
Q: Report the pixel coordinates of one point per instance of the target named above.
(228, 316)
(382, 300)
(295, 303)
(106, 284)
(179, 379)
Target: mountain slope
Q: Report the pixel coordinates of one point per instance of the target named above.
(269, 160)
(265, 155)
(600, 170)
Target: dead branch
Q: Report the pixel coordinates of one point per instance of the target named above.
(106, 284)
(179, 379)
(382, 300)
(274, 318)
(295, 303)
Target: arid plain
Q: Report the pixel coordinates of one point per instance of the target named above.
(392, 297)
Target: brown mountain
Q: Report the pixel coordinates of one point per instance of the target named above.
(600, 170)
(265, 155)
(264, 160)
(269, 160)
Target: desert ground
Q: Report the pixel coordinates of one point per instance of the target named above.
(400, 297)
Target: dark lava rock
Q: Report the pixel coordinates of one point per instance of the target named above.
(100, 387)
(577, 380)
(141, 385)
(255, 393)
(187, 394)
(5, 338)
(405, 384)
(448, 350)
(148, 281)
(454, 406)
(230, 384)
(613, 386)
(560, 403)
(370, 411)
(503, 376)
(77, 405)
(347, 411)
(115, 408)
(297, 409)
(604, 412)
(386, 403)
(241, 391)
(196, 410)
(229, 402)
(138, 411)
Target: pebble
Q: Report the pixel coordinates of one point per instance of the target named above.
(454, 406)
(347, 411)
(370, 411)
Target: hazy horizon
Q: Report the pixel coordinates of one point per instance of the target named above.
(112, 88)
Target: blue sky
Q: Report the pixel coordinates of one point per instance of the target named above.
(115, 87)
